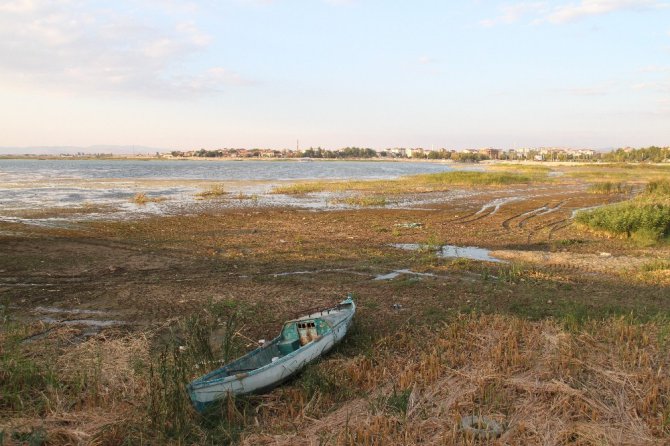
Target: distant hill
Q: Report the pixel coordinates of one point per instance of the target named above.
(72, 150)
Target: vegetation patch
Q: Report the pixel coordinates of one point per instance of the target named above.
(645, 218)
(213, 191)
(610, 187)
(364, 201)
(141, 198)
(436, 182)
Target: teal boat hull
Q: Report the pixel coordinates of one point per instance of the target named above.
(300, 342)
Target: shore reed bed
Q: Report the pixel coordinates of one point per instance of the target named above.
(645, 217)
(547, 382)
(414, 184)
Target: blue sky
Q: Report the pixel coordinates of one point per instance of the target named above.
(333, 73)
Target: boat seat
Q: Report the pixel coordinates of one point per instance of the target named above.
(288, 346)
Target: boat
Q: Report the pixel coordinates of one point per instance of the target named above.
(300, 341)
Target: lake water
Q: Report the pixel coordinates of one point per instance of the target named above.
(33, 170)
(104, 189)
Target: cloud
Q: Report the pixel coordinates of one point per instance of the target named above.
(71, 46)
(426, 60)
(655, 69)
(662, 86)
(585, 91)
(512, 13)
(543, 11)
(585, 8)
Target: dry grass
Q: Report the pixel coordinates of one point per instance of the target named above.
(213, 191)
(549, 382)
(141, 198)
(604, 383)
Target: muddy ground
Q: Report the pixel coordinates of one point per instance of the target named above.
(281, 260)
(126, 281)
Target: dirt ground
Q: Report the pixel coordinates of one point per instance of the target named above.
(120, 277)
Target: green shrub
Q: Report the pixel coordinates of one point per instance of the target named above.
(652, 219)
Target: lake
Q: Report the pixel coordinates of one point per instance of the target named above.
(104, 189)
(32, 170)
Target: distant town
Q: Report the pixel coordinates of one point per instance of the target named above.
(540, 154)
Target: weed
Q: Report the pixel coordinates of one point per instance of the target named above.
(656, 265)
(213, 191)
(24, 383)
(512, 273)
(364, 201)
(398, 401)
(141, 199)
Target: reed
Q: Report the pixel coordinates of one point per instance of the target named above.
(609, 187)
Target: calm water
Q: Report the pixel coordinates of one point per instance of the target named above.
(26, 170)
(30, 185)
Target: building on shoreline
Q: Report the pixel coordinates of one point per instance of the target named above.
(541, 154)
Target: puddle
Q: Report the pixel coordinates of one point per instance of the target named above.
(86, 322)
(574, 212)
(65, 310)
(393, 274)
(496, 204)
(320, 271)
(453, 251)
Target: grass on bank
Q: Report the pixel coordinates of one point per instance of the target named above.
(645, 218)
(616, 172)
(412, 184)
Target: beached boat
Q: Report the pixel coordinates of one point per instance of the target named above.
(301, 341)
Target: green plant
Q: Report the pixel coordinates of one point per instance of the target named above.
(365, 201)
(650, 219)
(659, 188)
(398, 401)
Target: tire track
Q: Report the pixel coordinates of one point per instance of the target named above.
(544, 226)
(506, 223)
(557, 227)
(487, 210)
(547, 210)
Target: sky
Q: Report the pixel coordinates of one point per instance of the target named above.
(188, 74)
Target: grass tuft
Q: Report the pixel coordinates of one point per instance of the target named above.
(213, 191)
(364, 201)
(141, 198)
